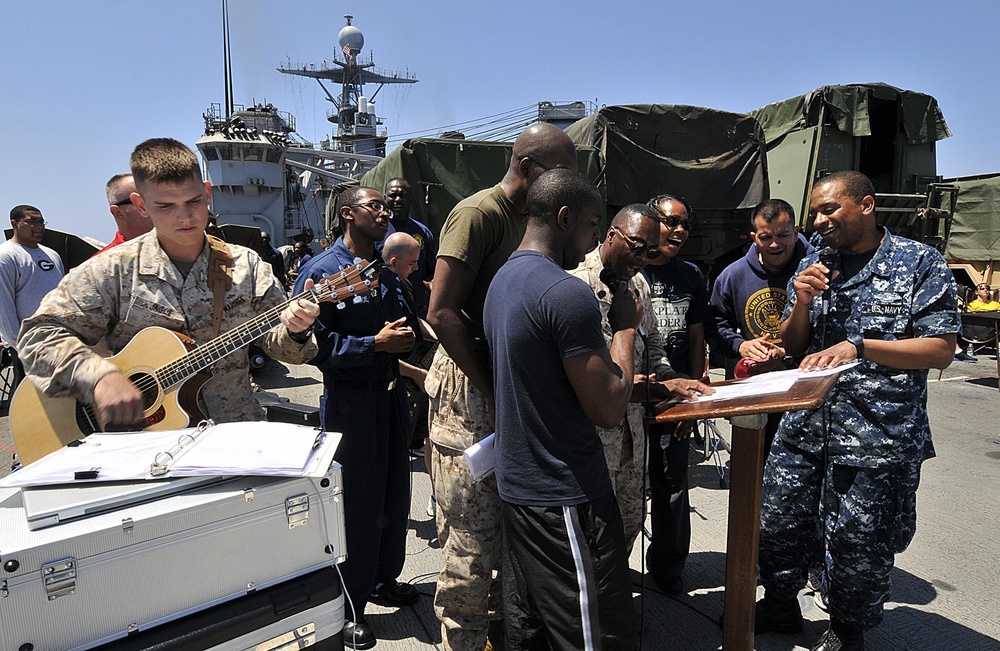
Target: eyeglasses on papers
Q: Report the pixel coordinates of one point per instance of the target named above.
(638, 248)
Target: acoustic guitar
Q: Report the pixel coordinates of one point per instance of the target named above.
(167, 368)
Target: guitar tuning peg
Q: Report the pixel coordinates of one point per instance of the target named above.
(341, 306)
(357, 260)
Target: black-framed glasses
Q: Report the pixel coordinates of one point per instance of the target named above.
(33, 222)
(638, 248)
(672, 221)
(983, 287)
(124, 202)
(375, 206)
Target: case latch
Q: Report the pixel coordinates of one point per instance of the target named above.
(59, 578)
(300, 638)
(297, 510)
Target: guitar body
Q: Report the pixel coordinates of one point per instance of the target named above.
(40, 424)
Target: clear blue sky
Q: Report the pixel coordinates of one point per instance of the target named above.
(84, 82)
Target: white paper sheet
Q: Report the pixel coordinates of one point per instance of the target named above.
(767, 383)
(480, 457)
(244, 448)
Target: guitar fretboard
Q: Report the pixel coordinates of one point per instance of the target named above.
(339, 286)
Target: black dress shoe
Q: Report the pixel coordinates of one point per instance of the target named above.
(670, 585)
(850, 639)
(777, 616)
(394, 594)
(358, 635)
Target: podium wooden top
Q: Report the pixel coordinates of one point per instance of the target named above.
(806, 393)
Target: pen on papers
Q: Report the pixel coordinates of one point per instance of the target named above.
(87, 474)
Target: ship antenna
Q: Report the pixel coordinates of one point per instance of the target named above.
(227, 60)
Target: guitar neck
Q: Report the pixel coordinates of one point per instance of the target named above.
(338, 287)
(208, 354)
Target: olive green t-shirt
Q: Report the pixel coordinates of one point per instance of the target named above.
(481, 231)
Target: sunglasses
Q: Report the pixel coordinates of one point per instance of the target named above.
(673, 222)
(638, 248)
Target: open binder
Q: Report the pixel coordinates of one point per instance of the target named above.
(245, 448)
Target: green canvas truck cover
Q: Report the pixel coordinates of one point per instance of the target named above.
(714, 159)
(848, 108)
(443, 171)
(975, 228)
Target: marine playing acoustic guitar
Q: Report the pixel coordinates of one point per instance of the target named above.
(167, 367)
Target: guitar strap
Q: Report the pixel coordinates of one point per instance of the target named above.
(220, 277)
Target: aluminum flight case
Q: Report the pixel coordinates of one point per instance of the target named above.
(87, 582)
(305, 612)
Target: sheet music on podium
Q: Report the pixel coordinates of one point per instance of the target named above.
(244, 448)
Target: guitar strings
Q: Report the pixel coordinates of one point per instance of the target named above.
(176, 371)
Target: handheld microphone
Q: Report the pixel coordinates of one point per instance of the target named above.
(610, 278)
(827, 256)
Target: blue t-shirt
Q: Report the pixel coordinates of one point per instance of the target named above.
(548, 452)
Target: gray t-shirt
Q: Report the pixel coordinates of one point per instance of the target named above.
(26, 276)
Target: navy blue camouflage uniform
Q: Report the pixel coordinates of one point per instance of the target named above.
(846, 474)
(362, 400)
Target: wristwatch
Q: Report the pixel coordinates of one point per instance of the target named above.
(301, 337)
(859, 343)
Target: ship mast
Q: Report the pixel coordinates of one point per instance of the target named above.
(353, 112)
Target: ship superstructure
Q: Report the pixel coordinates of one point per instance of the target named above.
(264, 175)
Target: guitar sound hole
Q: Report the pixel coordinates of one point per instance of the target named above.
(147, 384)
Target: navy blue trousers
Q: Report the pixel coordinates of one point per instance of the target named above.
(373, 453)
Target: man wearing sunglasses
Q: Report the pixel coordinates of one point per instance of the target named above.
(28, 271)
(631, 241)
(680, 302)
(131, 223)
(360, 344)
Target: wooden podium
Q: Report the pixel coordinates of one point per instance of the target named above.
(746, 474)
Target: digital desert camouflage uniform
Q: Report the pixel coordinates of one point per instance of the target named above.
(136, 286)
(625, 445)
(849, 470)
(470, 535)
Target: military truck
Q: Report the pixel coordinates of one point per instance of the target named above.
(974, 246)
(714, 159)
(886, 133)
(443, 171)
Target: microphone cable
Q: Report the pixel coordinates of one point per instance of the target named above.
(828, 256)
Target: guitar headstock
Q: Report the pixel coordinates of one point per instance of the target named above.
(360, 277)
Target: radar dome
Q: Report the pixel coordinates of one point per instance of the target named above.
(351, 37)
